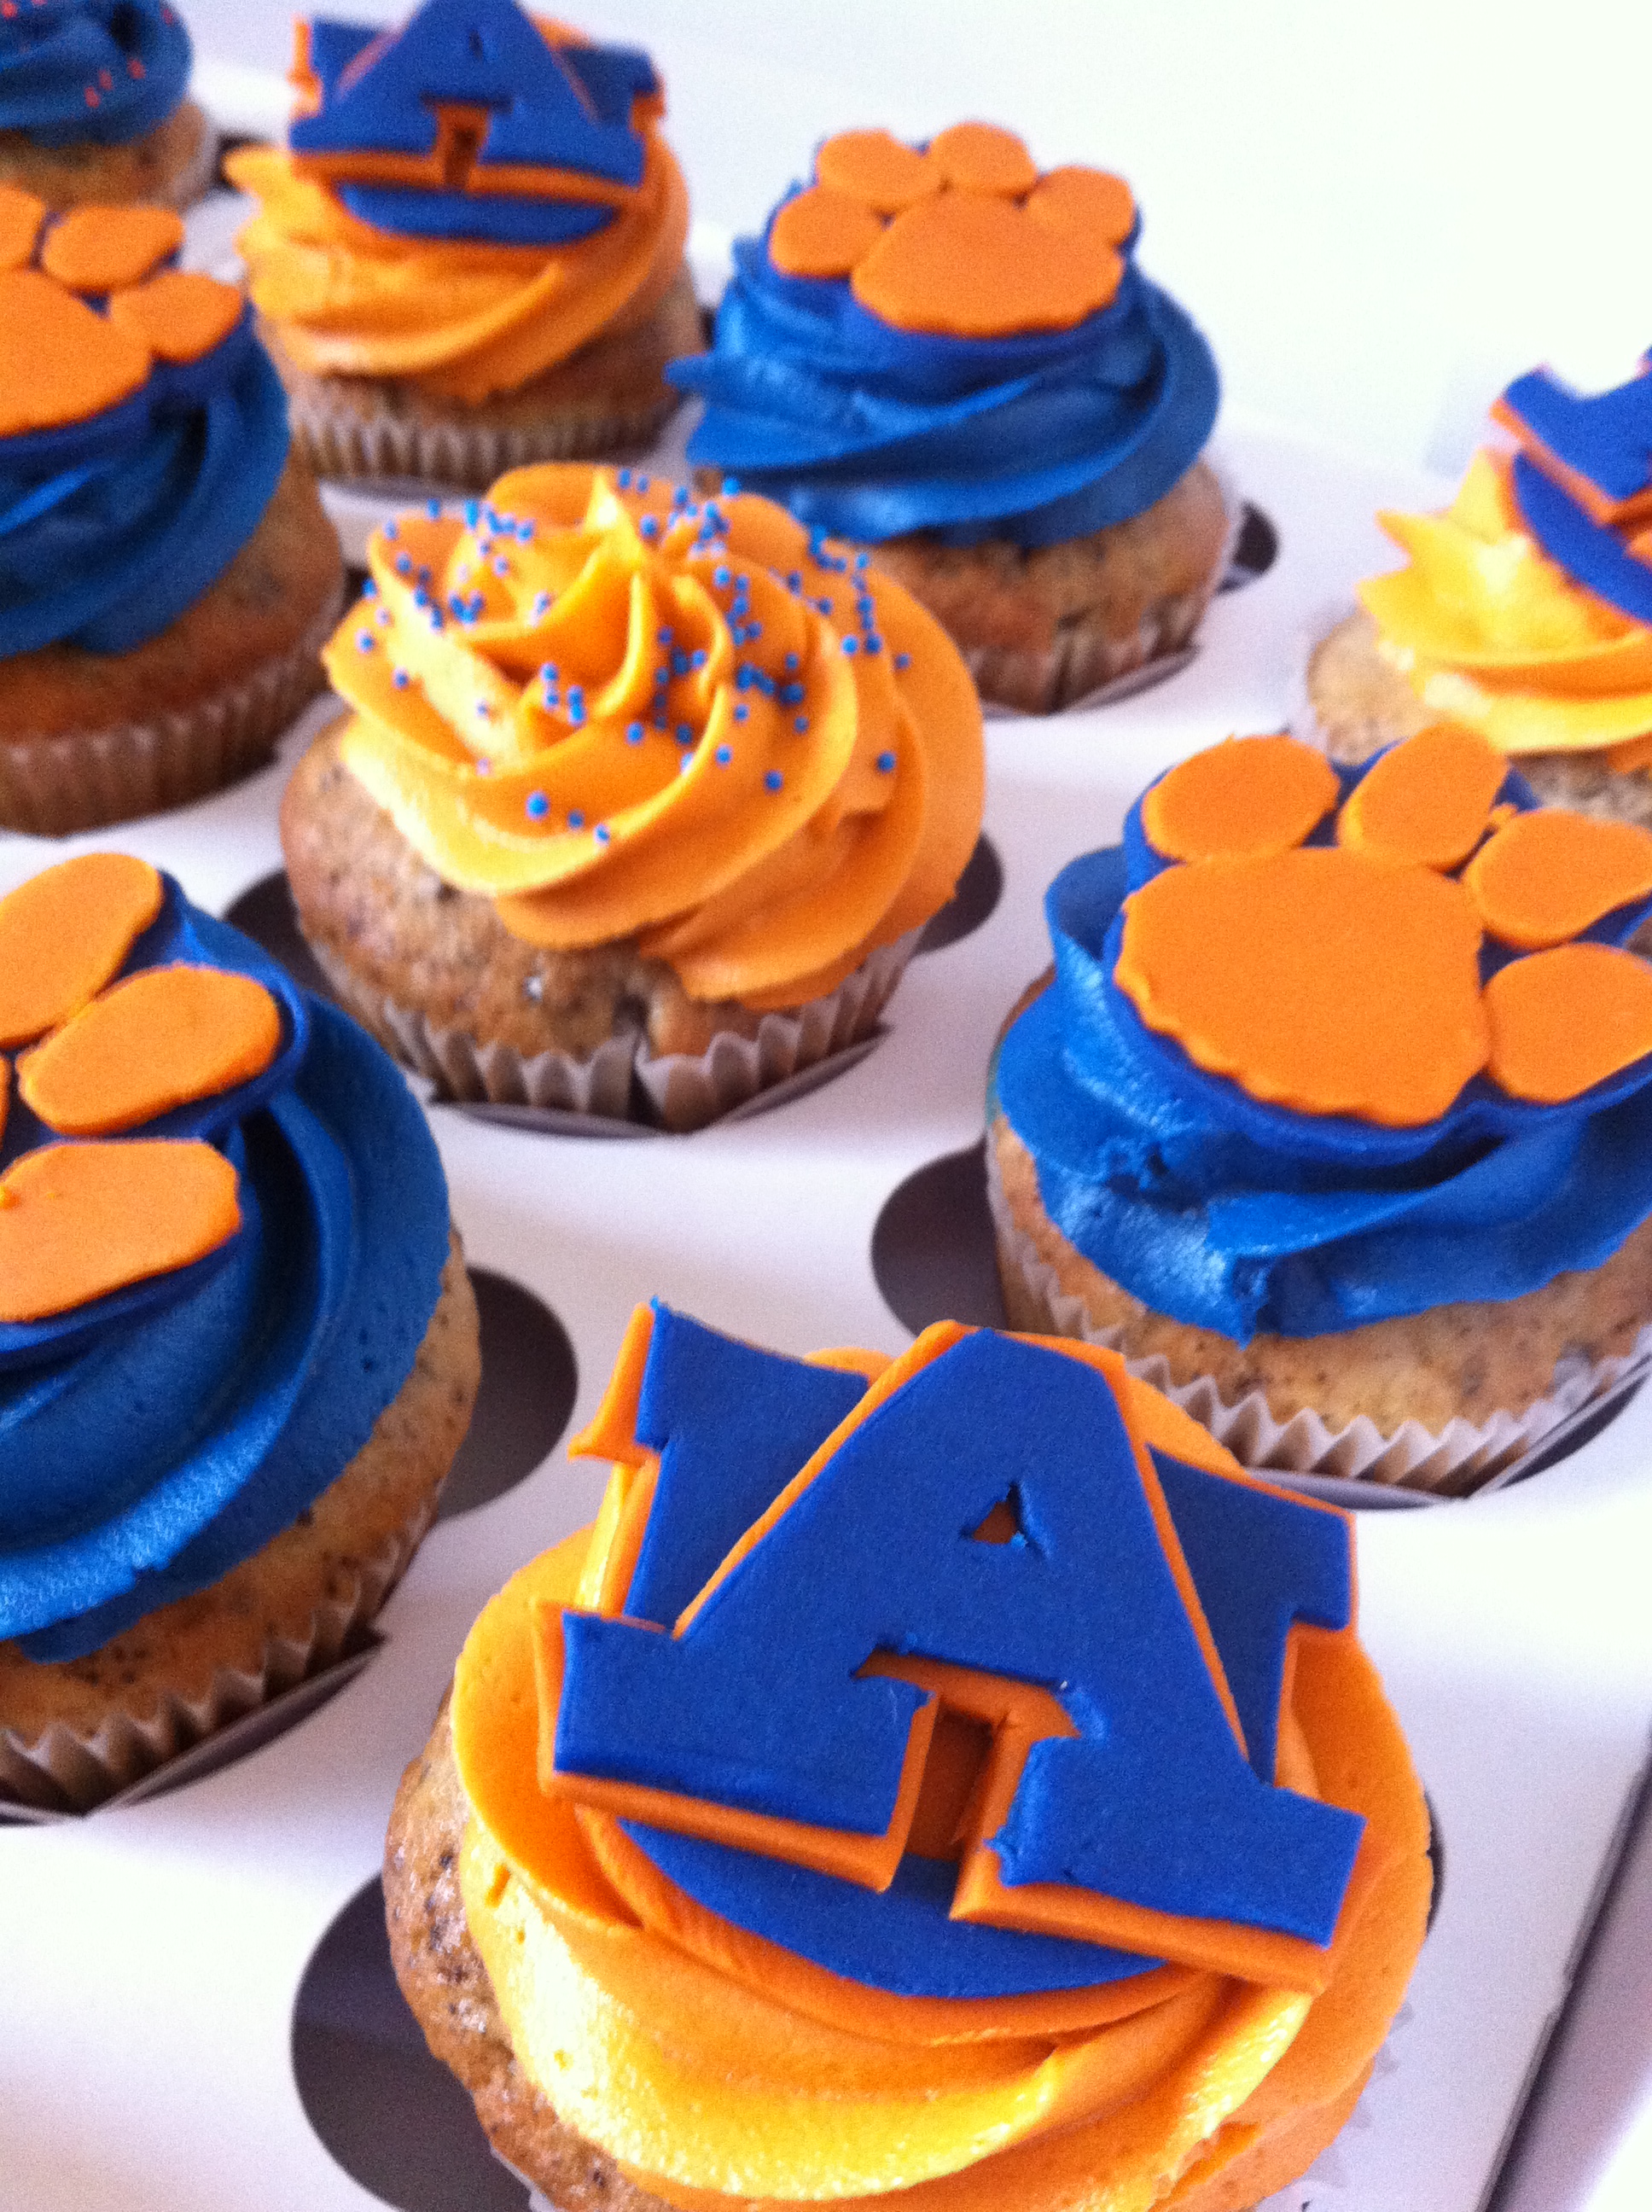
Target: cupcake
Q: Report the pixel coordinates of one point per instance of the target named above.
(237, 1346)
(471, 256)
(939, 353)
(819, 1895)
(167, 574)
(92, 105)
(1523, 611)
(642, 802)
(1335, 1116)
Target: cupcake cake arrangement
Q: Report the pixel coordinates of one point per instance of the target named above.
(948, 1779)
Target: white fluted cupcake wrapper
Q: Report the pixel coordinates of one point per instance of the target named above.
(50, 786)
(1462, 1458)
(622, 1080)
(63, 1770)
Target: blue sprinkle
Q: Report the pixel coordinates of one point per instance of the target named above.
(472, 513)
(365, 641)
(794, 581)
(721, 578)
(903, 660)
(680, 497)
(874, 643)
(392, 529)
(538, 806)
(886, 764)
(801, 724)
(624, 479)
(861, 560)
(501, 565)
(547, 673)
(684, 733)
(424, 575)
(404, 564)
(825, 605)
(663, 634)
(737, 634)
(433, 508)
(764, 684)
(679, 663)
(541, 604)
(754, 630)
(369, 590)
(575, 819)
(483, 767)
(698, 658)
(602, 833)
(773, 780)
(382, 617)
(642, 483)
(741, 712)
(723, 756)
(484, 710)
(850, 645)
(576, 712)
(399, 678)
(685, 762)
(634, 733)
(648, 529)
(792, 664)
(790, 694)
(526, 532)
(730, 487)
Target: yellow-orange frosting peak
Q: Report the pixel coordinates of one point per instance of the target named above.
(621, 714)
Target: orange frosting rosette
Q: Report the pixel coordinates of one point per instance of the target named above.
(718, 2068)
(1491, 633)
(622, 715)
(462, 318)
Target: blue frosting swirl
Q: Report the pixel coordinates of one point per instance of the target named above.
(867, 431)
(152, 1440)
(1227, 1213)
(132, 56)
(111, 528)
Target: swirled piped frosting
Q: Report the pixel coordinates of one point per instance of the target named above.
(1525, 610)
(142, 430)
(620, 714)
(940, 339)
(945, 1853)
(1359, 1043)
(398, 237)
(209, 1304)
(103, 70)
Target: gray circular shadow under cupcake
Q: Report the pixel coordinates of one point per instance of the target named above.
(529, 1381)
(934, 1257)
(264, 912)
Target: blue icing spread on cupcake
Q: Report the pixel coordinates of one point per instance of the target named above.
(1225, 1212)
(869, 431)
(114, 523)
(152, 1440)
(104, 70)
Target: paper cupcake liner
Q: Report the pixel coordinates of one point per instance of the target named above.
(195, 179)
(622, 1080)
(84, 779)
(1464, 1456)
(407, 455)
(63, 1770)
(1085, 668)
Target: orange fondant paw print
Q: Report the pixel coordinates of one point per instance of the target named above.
(963, 237)
(1346, 978)
(61, 358)
(79, 1219)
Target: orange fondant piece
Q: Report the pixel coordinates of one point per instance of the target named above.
(59, 361)
(1247, 797)
(1318, 979)
(159, 1039)
(979, 157)
(101, 249)
(1565, 1019)
(1548, 875)
(64, 932)
(1092, 203)
(1429, 800)
(21, 218)
(822, 232)
(968, 265)
(77, 1221)
(180, 315)
(875, 168)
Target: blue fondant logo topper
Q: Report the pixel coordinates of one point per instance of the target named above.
(1583, 480)
(830, 1577)
(470, 122)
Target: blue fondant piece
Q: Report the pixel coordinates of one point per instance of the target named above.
(472, 53)
(1259, 1564)
(132, 56)
(868, 432)
(1592, 553)
(732, 1425)
(153, 1439)
(507, 220)
(1229, 1213)
(758, 1705)
(110, 528)
(900, 1939)
(1604, 436)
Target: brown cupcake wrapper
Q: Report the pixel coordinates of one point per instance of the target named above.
(195, 180)
(1085, 668)
(50, 786)
(622, 1080)
(1465, 1456)
(64, 1771)
(407, 457)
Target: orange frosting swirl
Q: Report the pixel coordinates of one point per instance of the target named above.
(621, 714)
(462, 318)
